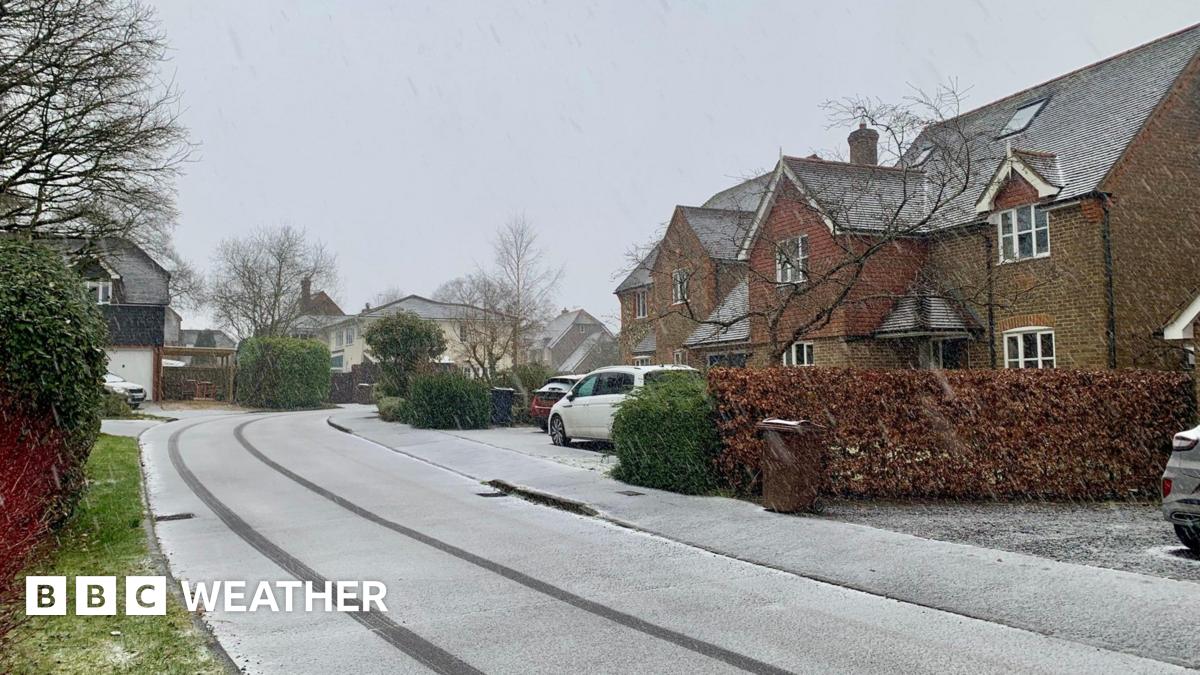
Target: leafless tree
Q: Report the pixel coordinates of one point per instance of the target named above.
(528, 284)
(89, 138)
(485, 333)
(256, 280)
(389, 294)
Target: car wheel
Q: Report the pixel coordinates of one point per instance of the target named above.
(1190, 536)
(558, 432)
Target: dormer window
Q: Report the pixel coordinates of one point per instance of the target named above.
(100, 291)
(1022, 117)
(1024, 233)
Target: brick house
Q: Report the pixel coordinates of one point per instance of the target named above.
(573, 342)
(1072, 242)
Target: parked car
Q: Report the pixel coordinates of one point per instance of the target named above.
(544, 398)
(586, 412)
(1181, 488)
(134, 393)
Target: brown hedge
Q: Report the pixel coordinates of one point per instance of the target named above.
(975, 434)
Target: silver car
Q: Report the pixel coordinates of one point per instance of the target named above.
(1181, 488)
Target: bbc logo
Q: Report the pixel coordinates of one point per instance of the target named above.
(95, 596)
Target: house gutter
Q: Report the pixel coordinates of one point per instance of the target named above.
(1109, 296)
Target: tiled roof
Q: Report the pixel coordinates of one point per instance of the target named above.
(573, 362)
(923, 313)
(424, 308)
(1044, 163)
(1088, 120)
(744, 196)
(720, 231)
(732, 309)
(640, 276)
(862, 197)
(556, 328)
(647, 345)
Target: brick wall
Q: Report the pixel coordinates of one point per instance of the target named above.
(681, 249)
(1155, 223)
(633, 329)
(1064, 291)
(884, 274)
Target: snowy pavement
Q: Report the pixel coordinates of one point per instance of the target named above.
(1118, 610)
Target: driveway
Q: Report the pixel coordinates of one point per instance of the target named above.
(480, 582)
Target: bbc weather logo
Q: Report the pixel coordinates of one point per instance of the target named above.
(95, 596)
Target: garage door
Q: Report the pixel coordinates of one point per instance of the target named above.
(135, 365)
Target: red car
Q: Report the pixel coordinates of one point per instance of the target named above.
(544, 399)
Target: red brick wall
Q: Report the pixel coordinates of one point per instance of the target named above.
(681, 249)
(1155, 222)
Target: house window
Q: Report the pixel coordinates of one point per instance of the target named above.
(101, 291)
(791, 260)
(947, 354)
(679, 286)
(335, 362)
(350, 335)
(639, 305)
(641, 360)
(339, 338)
(799, 354)
(1029, 348)
(1022, 117)
(737, 360)
(462, 332)
(679, 358)
(1024, 233)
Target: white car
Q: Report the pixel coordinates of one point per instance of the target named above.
(586, 412)
(134, 393)
(1181, 488)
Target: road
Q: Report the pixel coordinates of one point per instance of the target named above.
(484, 583)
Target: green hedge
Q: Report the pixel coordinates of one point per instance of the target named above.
(52, 359)
(282, 373)
(666, 437)
(394, 409)
(449, 401)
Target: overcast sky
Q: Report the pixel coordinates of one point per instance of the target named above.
(403, 134)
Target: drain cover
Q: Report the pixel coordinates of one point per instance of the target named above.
(174, 516)
(491, 494)
(630, 493)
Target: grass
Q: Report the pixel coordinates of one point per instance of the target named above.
(106, 537)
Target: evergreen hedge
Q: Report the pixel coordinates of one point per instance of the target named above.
(666, 437)
(449, 401)
(282, 373)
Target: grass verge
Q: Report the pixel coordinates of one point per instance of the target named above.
(106, 537)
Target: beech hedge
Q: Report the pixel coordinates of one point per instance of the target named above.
(971, 434)
(282, 373)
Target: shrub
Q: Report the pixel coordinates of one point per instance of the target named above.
(282, 373)
(52, 362)
(394, 409)
(973, 434)
(114, 406)
(449, 401)
(404, 345)
(666, 437)
(52, 357)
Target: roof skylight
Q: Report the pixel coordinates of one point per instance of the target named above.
(1022, 117)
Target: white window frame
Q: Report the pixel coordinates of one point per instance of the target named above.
(679, 286)
(1022, 360)
(804, 350)
(1013, 237)
(350, 335)
(339, 338)
(101, 291)
(1009, 129)
(641, 360)
(639, 304)
(679, 357)
(789, 269)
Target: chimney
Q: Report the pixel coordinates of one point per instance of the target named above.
(305, 293)
(864, 145)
